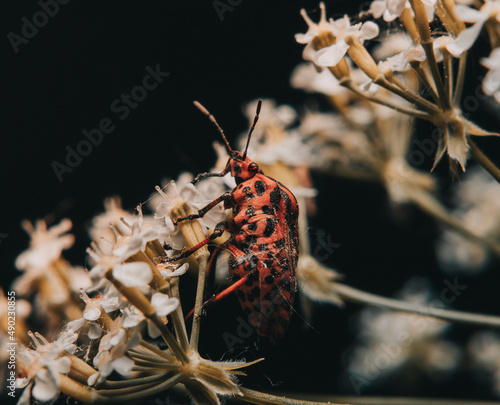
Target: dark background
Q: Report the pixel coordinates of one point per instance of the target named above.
(64, 80)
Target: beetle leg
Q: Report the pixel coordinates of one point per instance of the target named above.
(226, 197)
(203, 176)
(218, 231)
(223, 294)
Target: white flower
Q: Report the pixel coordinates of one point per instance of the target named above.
(112, 354)
(389, 9)
(415, 53)
(114, 213)
(491, 82)
(342, 28)
(108, 255)
(108, 302)
(306, 77)
(392, 45)
(169, 273)
(271, 116)
(46, 245)
(174, 195)
(392, 9)
(43, 366)
(314, 30)
(465, 40)
(163, 304)
(136, 237)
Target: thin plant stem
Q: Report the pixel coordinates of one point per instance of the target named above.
(152, 348)
(169, 339)
(78, 377)
(144, 393)
(459, 84)
(137, 381)
(362, 297)
(431, 60)
(149, 369)
(484, 161)
(77, 391)
(202, 271)
(410, 96)
(146, 357)
(178, 316)
(448, 74)
(256, 397)
(155, 365)
(425, 82)
(126, 390)
(412, 113)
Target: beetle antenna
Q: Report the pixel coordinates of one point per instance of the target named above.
(212, 118)
(256, 118)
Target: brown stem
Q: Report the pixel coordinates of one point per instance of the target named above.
(484, 161)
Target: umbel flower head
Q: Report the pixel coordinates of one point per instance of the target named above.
(328, 44)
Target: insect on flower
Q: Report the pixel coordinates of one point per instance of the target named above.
(264, 241)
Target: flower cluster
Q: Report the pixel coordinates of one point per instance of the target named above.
(410, 64)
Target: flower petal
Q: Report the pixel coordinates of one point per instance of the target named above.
(46, 387)
(369, 30)
(469, 14)
(123, 365)
(135, 274)
(163, 304)
(465, 39)
(332, 55)
(491, 82)
(92, 314)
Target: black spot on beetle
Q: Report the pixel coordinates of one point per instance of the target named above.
(250, 239)
(250, 211)
(280, 244)
(275, 197)
(260, 187)
(252, 226)
(268, 263)
(269, 279)
(274, 271)
(266, 209)
(250, 297)
(288, 209)
(263, 247)
(247, 190)
(270, 226)
(256, 291)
